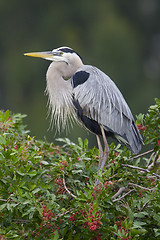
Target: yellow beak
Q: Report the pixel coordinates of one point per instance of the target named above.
(45, 55)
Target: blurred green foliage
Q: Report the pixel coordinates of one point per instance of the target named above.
(122, 38)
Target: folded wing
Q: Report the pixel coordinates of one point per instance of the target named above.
(98, 101)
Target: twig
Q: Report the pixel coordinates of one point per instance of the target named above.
(144, 205)
(21, 220)
(112, 176)
(118, 199)
(120, 191)
(140, 155)
(135, 167)
(154, 163)
(124, 189)
(62, 214)
(4, 200)
(140, 169)
(136, 185)
(150, 160)
(64, 183)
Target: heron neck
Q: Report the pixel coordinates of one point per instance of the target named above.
(59, 93)
(55, 79)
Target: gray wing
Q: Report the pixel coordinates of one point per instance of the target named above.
(101, 101)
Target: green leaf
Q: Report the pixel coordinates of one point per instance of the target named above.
(6, 115)
(86, 143)
(44, 162)
(27, 168)
(157, 232)
(156, 217)
(36, 190)
(11, 235)
(70, 235)
(64, 231)
(138, 224)
(140, 215)
(139, 231)
(32, 173)
(80, 142)
(76, 171)
(2, 140)
(55, 235)
(95, 205)
(20, 173)
(77, 236)
(2, 206)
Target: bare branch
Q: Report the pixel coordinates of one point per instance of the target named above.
(64, 183)
(150, 159)
(21, 220)
(140, 155)
(141, 169)
(155, 162)
(144, 205)
(125, 189)
(136, 185)
(118, 199)
(135, 167)
(120, 191)
(62, 214)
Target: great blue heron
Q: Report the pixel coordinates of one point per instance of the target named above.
(85, 93)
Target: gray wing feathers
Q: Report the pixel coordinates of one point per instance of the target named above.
(102, 101)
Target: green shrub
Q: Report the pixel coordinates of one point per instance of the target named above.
(49, 192)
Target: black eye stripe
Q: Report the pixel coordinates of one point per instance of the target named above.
(68, 50)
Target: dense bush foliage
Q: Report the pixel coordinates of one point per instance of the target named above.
(49, 192)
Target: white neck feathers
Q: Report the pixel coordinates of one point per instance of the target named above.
(59, 93)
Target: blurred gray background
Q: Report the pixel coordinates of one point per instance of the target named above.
(122, 38)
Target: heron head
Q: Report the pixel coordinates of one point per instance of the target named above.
(62, 54)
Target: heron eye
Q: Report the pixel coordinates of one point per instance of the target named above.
(61, 53)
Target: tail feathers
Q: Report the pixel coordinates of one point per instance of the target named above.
(132, 139)
(137, 141)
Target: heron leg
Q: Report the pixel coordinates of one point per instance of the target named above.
(106, 149)
(102, 155)
(100, 152)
